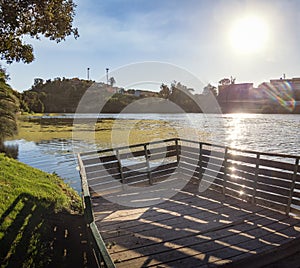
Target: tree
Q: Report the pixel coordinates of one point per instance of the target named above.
(111, 81)
(37, 82)
(34, 18)
(8, 109)
(225, 82)
(164, 91)
(210, 89)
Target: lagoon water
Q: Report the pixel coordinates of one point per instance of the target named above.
(261, 132)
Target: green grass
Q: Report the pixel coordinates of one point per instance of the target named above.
(29, 197)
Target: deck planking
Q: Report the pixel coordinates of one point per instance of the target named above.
(190, 229)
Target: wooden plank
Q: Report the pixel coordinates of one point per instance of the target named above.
(136, 178)
(239, 194)
(212, 162)
(136, 166)
(250, 177)
(102, 172)
(273, 189)
(270, 204)
(132, 154)
(134, 173)
(295, 210)
(172, 252)
(104, 185)
(171, 165)
(241, 189)
(188, 149)
(178, 202)
(249, 248)
(296, 194)
(192, 219)
(162, 155)
(240, 180)
(158, 214)
(213, 154)
(241, 167)
(103, 179)
(276, 174)
(272, 197)
(188, 163)
(297, 182)
(99, 160)
(156, 150)
(296, 202)
(242, 158)
(187, 157)
(101, 166)
(273, 181)
(162, 174)
(172, 229)
(276, 164)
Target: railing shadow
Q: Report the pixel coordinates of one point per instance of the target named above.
(191, 231)
(34, 235)
(20, 224)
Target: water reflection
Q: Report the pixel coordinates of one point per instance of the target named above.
(11, 150)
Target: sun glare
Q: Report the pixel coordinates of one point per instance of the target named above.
(249, 35)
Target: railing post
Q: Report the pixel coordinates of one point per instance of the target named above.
(255, 177)
(148, 164)
(177, 151)
(288, 208)
(120, 166)
(200, 160)
(225, 169)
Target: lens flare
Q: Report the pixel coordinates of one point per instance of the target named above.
(281, 93)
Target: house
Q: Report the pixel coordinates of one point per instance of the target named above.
(234, 92)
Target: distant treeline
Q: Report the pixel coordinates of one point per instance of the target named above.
(64, 96)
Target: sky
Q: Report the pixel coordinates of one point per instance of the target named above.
(252, 41)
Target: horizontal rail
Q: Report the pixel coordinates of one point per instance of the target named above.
(241, 150)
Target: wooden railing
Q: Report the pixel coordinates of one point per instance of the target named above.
(135, 164)
(95, 239)
(266, 179)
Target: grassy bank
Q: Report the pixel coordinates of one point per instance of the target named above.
(31, 202)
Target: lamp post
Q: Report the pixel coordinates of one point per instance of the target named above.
(88, 73)
(107, 69)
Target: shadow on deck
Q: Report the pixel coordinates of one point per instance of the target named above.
(192, 229)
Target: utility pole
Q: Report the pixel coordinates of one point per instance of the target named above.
(107, 69)
(88, 73)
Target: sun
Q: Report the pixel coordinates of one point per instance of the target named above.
(249, 35)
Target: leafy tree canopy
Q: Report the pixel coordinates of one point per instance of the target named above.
(35, 18)
(8, 109)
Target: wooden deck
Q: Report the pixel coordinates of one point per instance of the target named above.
(236, 225)
(191, 230)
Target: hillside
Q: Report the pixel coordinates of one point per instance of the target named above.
(63, 96)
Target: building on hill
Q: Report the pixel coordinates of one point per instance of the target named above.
(276, 96)
(284, 93)
(236, 97)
